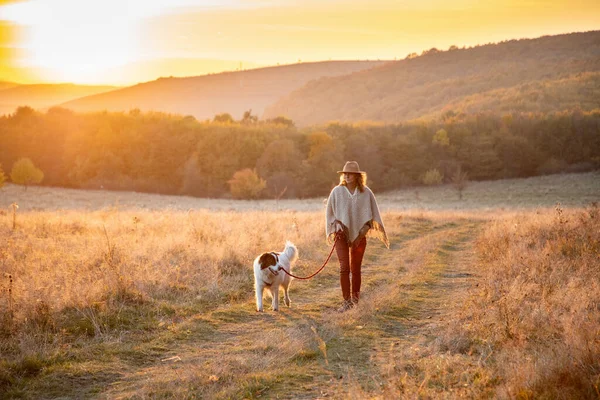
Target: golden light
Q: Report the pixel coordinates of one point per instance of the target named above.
(128, 41)
(77, 41)
(73, 41)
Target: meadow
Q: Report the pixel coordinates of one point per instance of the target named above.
(127, 295)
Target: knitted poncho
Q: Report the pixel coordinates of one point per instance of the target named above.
(354, 210)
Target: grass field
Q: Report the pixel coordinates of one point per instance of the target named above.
(571, 190)
(124, 295)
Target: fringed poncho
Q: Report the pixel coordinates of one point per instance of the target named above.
(354, 210)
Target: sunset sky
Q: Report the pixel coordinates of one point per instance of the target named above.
(128, 41)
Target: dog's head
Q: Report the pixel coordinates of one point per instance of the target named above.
(268, 260)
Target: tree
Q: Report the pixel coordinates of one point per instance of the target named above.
(24, 112)
(432, 50)
(248, 118)
(448, 115)
(246, 184)
(2, 177)
(363, 147)
(280, 155)
(441, 138)
(24, 172)
(192, 179)
(460, 179)
(519, 158)
(224, 118)
(432, 177)
(479, 158)
(281, 120)
(279, 165)
(324, 158)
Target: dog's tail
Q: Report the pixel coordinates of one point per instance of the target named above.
(290, 251)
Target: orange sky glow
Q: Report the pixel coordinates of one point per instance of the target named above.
(124, 42)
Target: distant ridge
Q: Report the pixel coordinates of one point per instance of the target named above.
(7, 85)
(149, 70)
(539, 75)
(42, 96)
(226, 92)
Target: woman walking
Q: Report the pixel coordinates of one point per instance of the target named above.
(352, 213)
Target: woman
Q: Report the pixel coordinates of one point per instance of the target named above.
(352, 213)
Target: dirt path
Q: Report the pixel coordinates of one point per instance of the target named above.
(310, 350)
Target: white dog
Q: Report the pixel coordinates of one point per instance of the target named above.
(268, 275)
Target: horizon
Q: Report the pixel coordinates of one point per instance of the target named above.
(122, 43)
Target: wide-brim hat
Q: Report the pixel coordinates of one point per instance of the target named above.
(351, 167)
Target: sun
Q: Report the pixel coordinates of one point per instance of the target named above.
(75, 41)
(85, 41)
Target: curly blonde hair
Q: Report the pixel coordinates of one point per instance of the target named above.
(361, 182)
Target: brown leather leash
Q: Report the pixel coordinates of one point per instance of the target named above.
(337, 236)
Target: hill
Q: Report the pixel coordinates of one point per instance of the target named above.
(148, 70)
(227, 92)
(517, 75)
(7, 85)
(41, 96)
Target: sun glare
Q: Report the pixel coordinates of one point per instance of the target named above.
(75, 41)
(80, 41)
(93, 41)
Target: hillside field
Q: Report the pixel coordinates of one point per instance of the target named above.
(133, 296)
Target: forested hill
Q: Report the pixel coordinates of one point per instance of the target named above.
(551, 73)
(42, 96)
(228, 92)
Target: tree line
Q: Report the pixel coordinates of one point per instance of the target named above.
(250, 158)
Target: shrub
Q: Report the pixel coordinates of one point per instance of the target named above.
(246, 184)
(224, 118)
(24, 172)
(432, 177)
(281, 120)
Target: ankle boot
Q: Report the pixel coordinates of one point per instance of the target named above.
(346, 305)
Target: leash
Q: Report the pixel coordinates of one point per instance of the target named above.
(337, 236)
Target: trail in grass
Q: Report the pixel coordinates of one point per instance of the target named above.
(436, 273)
(235, 351)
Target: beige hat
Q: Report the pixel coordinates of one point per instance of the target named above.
(352, 168)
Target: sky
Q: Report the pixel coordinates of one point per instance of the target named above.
(123, 42)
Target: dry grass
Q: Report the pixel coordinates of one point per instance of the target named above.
(103, 275)
(539, 303)
(528, 328)
(134, 303)
(74, 259)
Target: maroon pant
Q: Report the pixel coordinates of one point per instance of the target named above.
(350, 259)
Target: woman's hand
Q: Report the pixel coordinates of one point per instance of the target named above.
(337, 226)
